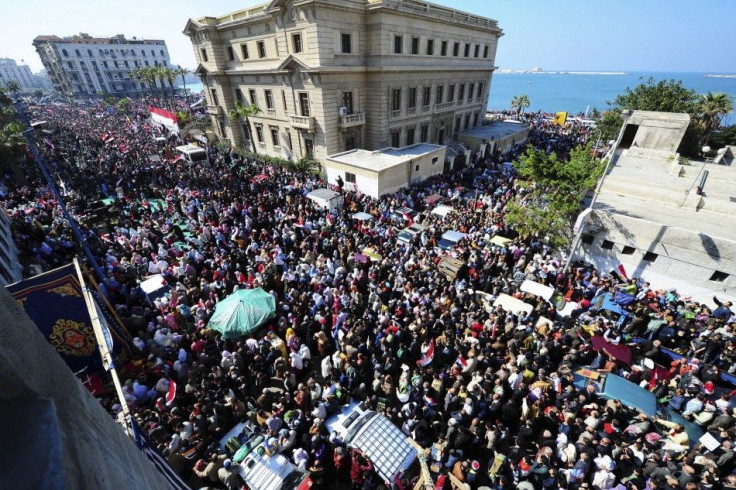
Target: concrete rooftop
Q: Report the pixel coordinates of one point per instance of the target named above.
(382, 159)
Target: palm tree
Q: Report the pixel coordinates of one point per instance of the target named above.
(183, 72)
(170, 74)
(160, 72)
(12, 86)
(711, 108)
(245, 112)
(520, 102)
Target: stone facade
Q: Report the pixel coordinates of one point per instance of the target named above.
(10, 70)
(84, 66)
(334, 75)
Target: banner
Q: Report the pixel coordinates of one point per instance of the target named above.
(164, 118)
(54, 302)
(560, 118)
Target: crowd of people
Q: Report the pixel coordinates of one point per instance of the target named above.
(498, 404)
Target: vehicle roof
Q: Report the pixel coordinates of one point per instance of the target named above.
(615, 387)
(189, 148)
(323, 194)
(453, 236)
(265, 472)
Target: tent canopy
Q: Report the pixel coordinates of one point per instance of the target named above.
(242, 312)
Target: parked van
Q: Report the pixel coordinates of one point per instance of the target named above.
(327, 199)
(260, 471)
(194, 155)
(450, 239)
(407, 234)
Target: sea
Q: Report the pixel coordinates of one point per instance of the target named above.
(577, 92)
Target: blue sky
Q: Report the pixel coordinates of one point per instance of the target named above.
(630, 35)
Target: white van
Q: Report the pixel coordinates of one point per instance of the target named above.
(327, 199)
(194, 155)
(262, 472)
(407, 234)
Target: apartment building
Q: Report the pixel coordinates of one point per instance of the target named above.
(334, 75)
(84, 66)
(10, 70)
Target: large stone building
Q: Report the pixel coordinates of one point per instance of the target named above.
(334, 75)
(84, 66)
(10, 70)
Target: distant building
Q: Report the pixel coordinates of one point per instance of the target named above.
(10, 70)
(337, 75)
(84, 66)
(666, 220)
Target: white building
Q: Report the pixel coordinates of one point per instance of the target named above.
(10, 70)
(667, 220)
(83, 66)
(380, 172)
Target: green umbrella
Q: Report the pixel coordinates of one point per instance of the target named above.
(242, 312)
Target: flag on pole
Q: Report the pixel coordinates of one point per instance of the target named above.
(428, 356)
(148, 448)
(171, 394)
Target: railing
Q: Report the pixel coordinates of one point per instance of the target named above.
(426, 108)
(271, 112)
(395, 114)
(214, 110)
(352, 120)
(303, 122)
(444, 106)
(411, 110)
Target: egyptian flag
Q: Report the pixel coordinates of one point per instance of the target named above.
(329, 219)
(165, 118)
(171, 394)
(623, 271)
(461, 362)
(428, 356)
(408, 219)
(653, 381)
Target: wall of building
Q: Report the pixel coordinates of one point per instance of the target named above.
(10, 268)
(10, 70)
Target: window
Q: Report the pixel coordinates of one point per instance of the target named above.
(349, 177)
(76, 51)
(239, 95)
(89, 53)
(470, 91)
(230, 53)
(587, 238)
(259, 133)
(475, 119)
(261, 49)
(456, 49)
(396, 99)
(288, 140)
(650, 257)
(346, 43)
(276, 47)
(412, 102)
(426, 96)
(443, 48)
(398, 44)
(347, 101)
(143, 52)
(416, 168)
(395, 136)
(430, 47)
(467, 121)
(64, 52)
(485, 52)
(283, 101)
(410, 136)
(70, 64)
(461, 92)
(439, 94)
(269, 99)
(414, 45)
(467, 49)
(719, 276)
(203, 55)
(480, 90)
(423, 132)
(457, 124)
(296, 42)
(304, 104)
(349, 143)
(275, 136)
(435, 160)
(451, 93)
(607, 245)
(253, 98)
(476, 51)
(244, 51)
(215, 100)
(162, 52)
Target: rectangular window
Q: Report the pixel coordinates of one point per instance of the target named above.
(261, 49)
(346, 43)
(485, 51)
(480, 90)
(253, 98)
(423, 133)
(349, 177)
(414, 45)
(470, 91)
(430, 47)
(215, 100)
(456, 49)
(396, 99)
(347, 102)
(587, 238)
(439, 94)
(426, 96)
(283, 101)
(239, 95)
(395, 136)
(349, 143)
(461, 92)
(628, 250)
(607, 245)
(457, 124)
(296, 42)
(650, 257)
(443, 48)
(476, 51)
(412, 102)
(467, 49)
(269, 99)
(203, 54)
(259, 133)
(304, 104)
(276, 47)
(451, 93)
(475, 119)
(398, 44)
(718, 276)
(230, 53)
(288, 140)
(244, 51)
(467, 121)
(275, 136)
(410, 136)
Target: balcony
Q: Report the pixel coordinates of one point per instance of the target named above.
(352, 120)
(446, 106)
(303, 122)
(214, 110)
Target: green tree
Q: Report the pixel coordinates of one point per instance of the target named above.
(556, 192)
(12, 86)
(170, 74)
(124, 105)
(12, 140)
(244, 112)
(723, 137)
(519, 103)
(183, 72)
(711, 108)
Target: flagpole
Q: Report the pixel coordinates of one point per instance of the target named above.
(103, 345)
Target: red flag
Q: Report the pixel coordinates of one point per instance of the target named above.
(653, 381)
(428, 356)
(171, 394)
(623, 271)
(329, 219)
